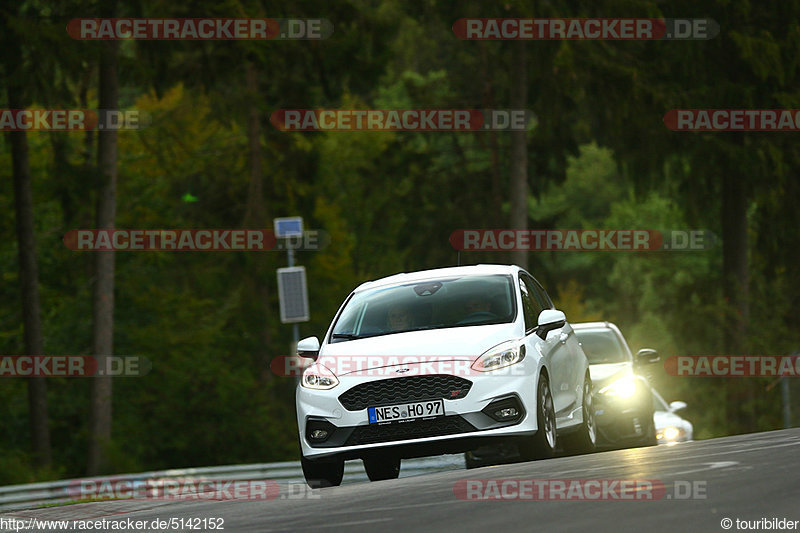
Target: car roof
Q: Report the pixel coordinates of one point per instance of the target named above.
(422, 275)
(595, 325)
(603, 326)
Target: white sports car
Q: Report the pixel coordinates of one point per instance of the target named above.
(670, 427)
(441, 361)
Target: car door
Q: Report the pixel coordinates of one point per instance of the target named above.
(553, 350)
(530, 317)
(574, 360)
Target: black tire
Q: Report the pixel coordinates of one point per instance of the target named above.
(470, 462)
(380, 467)
(543, 444)
(585, 439)
(323, 472)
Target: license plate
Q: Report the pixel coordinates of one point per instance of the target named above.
(406, 411)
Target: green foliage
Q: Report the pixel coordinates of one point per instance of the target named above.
(599, 157)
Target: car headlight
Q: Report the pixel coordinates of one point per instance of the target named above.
(500, 357)
(318, 377)
(622, 388)
(669, 434)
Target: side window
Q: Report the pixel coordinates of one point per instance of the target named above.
(527, 307)
(545, 300)
(539, 301)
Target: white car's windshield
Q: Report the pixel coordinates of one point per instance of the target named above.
(601, 346)
(429, 304)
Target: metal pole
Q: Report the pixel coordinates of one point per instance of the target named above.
(787, 410)
(290, 261)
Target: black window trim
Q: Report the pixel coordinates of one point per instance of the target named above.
(532, 329)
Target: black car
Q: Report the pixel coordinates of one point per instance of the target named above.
(623, 398)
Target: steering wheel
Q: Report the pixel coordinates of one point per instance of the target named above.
(477, 316)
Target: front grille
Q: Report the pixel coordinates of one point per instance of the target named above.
(399, 390)
(373, 433)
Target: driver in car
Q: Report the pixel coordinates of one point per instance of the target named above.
(398, 318)
(477, 305)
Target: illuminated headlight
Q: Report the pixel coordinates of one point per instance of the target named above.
(318, 377)
(500, 357)
(622, 388)
(669, 434)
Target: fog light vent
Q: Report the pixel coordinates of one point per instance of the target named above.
(318, 431)
(505, 409)
(505, 414)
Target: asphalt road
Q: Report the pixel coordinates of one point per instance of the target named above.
(746, 477)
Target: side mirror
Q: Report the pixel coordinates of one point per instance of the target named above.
(677, 406)
(550, 319)
(308, 347)
(646, 356)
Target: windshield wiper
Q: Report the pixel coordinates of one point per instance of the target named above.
(423, 328)
(348, 336)
(353, 336)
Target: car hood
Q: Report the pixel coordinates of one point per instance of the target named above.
(606, 373)
(403, 349)
(664, 419)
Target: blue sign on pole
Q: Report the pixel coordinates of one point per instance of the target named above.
(288, 227)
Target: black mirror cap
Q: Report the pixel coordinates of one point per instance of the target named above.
(309, 355)
(544, 329)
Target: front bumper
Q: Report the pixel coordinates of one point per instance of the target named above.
(621, 422)
(466, 421)
(672, 435)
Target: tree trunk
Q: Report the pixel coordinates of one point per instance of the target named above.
(28, 267)
(255, 213)
(736, 282)
(519, 151)
(493, 214)
(103, 294)
(734, 261)
(256, 217)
